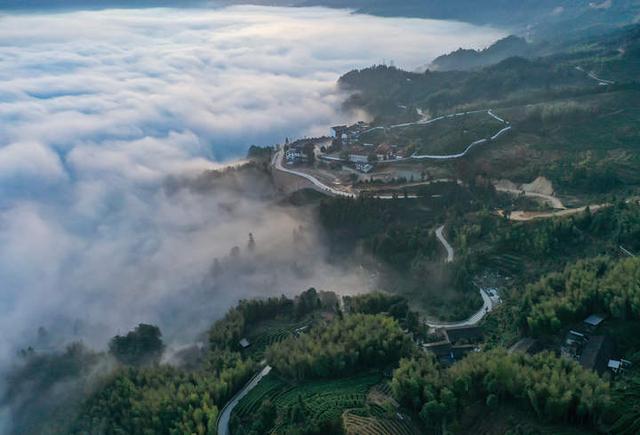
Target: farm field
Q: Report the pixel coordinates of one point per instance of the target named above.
(355, 424)
(269, 332)
(448, 136)
(326, 400)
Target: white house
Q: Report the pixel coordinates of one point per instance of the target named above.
(358, 158)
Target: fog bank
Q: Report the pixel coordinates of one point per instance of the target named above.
(98, 108)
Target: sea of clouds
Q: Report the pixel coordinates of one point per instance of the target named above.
(98, 108)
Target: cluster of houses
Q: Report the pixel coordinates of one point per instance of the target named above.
(582, 343)
(362, 155)
(593, 351)
(346, 136)
(300, 150)
(347, 139)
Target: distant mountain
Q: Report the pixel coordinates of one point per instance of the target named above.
(465, 59)
(549, 18)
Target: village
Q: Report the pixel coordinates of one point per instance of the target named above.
(586, 342)
(372, 157)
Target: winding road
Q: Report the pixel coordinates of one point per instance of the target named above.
(277, 164)
(593, 76)
(225, 415)
(446, 244)
(488, 302)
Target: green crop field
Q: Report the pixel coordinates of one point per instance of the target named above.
(447, 136)
(373, 425)
(327, 400)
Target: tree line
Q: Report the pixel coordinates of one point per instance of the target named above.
(598, 285)
(555, 389)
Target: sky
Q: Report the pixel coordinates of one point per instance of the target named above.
(98, 109)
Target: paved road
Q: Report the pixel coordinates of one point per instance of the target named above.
(225, 415)
(277, 163)
(446, 244)
(470, 146)
(592, 75)
(465, 152)
(488, 303)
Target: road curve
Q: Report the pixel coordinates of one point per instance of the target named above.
(555, 202)
(277, 163)
(488, 304)
(446, 244)
(225, 415)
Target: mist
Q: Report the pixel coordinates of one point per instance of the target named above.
(110, 117)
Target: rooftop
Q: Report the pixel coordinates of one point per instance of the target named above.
(463, 333)
(244, 343)
(594, 320)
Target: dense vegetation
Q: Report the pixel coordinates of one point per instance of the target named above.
(343, 347)
(551, 387)
(578, 131)
(139, 347)
(548, 244)
(400, 237)
(165, 400)
(597, 285)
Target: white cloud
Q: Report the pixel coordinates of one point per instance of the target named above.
(98, 108)
(29, 161)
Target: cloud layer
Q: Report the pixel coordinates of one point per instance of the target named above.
(98, 108)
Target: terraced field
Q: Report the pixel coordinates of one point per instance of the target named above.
(381, 416)
(507, 264)
(358, 425)
(327, 400)
(270, 332)
(448, 136)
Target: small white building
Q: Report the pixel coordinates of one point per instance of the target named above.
(294, 155)
(244, 343)
(365, 168)
(358, 158)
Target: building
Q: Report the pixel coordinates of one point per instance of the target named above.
(244, 343)
(297, 151)
(358, 158)
(574, 341)
(365, 168)
(294, 155)
(456, 343)
(346, 136)
(339, 130)
(442, 349)
(464, 334)
(597, 353)
(618, 366)
(593, 321)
